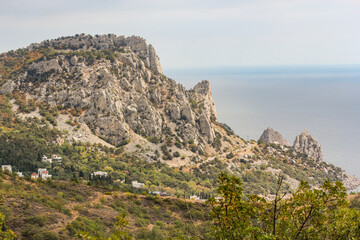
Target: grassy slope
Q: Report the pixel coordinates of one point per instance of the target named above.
(57, 209)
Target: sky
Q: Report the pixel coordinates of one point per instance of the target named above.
(200, 33)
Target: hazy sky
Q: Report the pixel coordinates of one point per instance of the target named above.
(199, 33)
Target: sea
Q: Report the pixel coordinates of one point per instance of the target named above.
(325, 100)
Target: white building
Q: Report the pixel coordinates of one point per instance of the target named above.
(20, 174)
(6, 168)
(136, 184)
(40, 170)
(34, 176)
(54, 157)
(45, 175)
(45, 159)
(100, 173)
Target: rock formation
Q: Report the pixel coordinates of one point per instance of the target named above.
(272, 136)
(307, 144)
(110, 90)
(118, 83)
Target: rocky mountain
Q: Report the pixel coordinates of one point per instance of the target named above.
(117, 84)
(109, 91)
(271, 136)
(307, 144)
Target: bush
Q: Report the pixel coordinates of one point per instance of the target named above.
(142, 222)
(176, 154)
(230, 155)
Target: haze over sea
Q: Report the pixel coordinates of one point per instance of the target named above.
(325, 100)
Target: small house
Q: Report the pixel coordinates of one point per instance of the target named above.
(45, 175)
(6, 168)
(137, 184)
(100, 174)
(20, 174)
(45, 159)
(55, 157)
(34, 176)
(40, 170)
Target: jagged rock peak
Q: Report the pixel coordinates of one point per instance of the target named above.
(271, 136)
(112, 42)
(305, 143)
(203, 89)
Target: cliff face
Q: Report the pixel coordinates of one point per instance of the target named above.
(118, 84)
(307, 144)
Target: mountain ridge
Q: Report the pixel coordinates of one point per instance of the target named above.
(110, 90)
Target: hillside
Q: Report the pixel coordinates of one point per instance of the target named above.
(101, 103)
(51, 210)
(58, 210)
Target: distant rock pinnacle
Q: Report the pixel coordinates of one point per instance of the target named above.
(272, 136)
(305, 143)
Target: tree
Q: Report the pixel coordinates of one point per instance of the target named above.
(232, 213)
(319, 213)
(5, 233)
(118, 233)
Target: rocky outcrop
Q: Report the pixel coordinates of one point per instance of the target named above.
(133, 45)
(351, 182)
(307, 144)
(8, 87)
(46, 66)
(118, 84)
(272, 136)
(203, 95)
(154, 61)
(205, 127)
(187, 114)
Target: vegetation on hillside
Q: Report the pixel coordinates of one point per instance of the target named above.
(64, 210)
(321, 213)
(67, 210)
(77, 204)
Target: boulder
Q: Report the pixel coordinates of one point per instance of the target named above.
(174, 111)
(8, 87)
(46, 66)
(188, 114)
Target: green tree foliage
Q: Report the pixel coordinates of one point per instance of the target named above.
(319, 213)
(232, 213)
(5, 233)
(118, 233)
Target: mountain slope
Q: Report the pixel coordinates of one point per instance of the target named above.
(109, 92)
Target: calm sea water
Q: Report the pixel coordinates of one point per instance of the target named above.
(325, 100)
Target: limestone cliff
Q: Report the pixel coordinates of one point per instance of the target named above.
(118, 84)
(307, 144)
